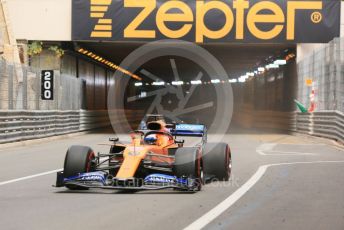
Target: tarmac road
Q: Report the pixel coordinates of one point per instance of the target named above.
(278, 182)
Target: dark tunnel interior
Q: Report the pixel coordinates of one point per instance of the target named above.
(198, 103)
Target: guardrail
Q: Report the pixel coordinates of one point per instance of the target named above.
(27, 125)
(327, 124)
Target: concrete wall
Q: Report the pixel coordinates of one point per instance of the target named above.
(342, 20)
(44, 20)
(305, 50)
(94, 79)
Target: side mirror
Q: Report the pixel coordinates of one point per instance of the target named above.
(114, 139)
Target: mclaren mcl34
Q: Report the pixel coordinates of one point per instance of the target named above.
(157, 157)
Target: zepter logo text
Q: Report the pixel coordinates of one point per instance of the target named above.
(241, 14)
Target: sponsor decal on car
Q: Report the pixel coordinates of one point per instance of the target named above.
(164, 179)
(160, 178)
(92, 176)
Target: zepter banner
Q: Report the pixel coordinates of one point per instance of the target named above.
(253, 21)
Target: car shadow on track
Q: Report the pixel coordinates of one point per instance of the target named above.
(104, 192)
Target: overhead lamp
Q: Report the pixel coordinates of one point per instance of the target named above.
(261, 69)
(106, 62)
(250, 74)
(177, 83)
(198, 82)
(280, 62)
(138, 84)
(233, 80)
(158, 83)
(242, 80)
(215, 81)
(272, 66)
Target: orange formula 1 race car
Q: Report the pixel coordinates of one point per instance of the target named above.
(155, 159)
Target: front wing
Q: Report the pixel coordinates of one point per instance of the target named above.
(100, 180)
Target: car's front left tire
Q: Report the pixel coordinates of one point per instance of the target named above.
(78, 160)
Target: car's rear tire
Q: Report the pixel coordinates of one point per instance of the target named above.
(188, 163)
(78, 160)
(217, 161)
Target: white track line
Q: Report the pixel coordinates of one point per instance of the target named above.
(30, 177)
(234, 197)
(228, 202)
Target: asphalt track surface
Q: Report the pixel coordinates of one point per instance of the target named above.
(278, 182)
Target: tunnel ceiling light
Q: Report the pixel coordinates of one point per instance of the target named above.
(250, 74)
(158, 83)
(280, 62)
(261, 69)
(177, 83)
(107, 62)
(233, 80)
(215, 81)
(198, 82)
(272, 66)
(242, 80)
(138, 84)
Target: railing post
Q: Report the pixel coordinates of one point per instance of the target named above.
(10, 86)
(25, 104)
(38, 89)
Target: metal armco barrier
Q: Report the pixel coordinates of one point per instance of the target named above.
(28, 125)
(328, 124)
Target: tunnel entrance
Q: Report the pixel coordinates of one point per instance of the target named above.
(183, 90)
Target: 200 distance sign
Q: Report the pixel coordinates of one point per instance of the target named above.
(47, 85)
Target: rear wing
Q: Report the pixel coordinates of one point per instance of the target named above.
(190, 130)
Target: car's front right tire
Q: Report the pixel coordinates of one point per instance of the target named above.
(188, 163)
(217, 161)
